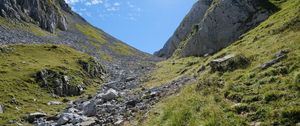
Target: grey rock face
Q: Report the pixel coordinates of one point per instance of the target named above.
(183, 31)
(42, 12)
(223, 23)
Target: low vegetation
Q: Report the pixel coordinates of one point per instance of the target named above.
(21, 94)
(247, 95)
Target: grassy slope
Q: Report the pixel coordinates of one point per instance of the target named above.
(16, 70)
(246, 96)
(97, 39)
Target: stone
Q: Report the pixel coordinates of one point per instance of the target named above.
(63, 120)
(89, 108)
(131, 103)
(109, 95)
(1, 108)
(54, 103)
(229, 63)
(128, 79)
(33, 116)
(71, 110)
(278, 57)
(119, 122)
(88, 122)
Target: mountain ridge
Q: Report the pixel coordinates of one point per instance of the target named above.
(206, 34)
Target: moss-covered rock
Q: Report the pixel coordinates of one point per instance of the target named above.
(58, 83)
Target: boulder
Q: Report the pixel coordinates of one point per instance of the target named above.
(33, 116)
(71, 119)
(63, 120)
(229, 63)
(89, 108)
(109, 95)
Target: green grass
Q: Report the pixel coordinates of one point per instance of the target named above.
(20, 63)
(95, 36)
(122, 49)
(243, 96)
(170, 70)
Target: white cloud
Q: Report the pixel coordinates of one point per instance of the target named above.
(106, 8)
(117, 4)
(93, 2)
(72, 1)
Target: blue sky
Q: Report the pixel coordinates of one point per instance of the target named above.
(143, 24)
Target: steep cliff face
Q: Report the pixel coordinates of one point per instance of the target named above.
(45, 13)
(223, 23)
(182, 32)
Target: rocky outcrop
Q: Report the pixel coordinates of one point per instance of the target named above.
(63, 84)
(58, 83)
(222, 24)
(93, 68)
(45, 13)
(183, 31)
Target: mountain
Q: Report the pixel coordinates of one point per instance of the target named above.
(182, 32)
(254, 81)
(230, 62)
(53, 22)
(50, 56)
(213, 25)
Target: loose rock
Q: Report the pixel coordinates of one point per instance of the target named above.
(33, 116)
(278, 57)
(54, 103)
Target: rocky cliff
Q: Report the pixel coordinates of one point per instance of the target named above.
(45, 13)
(216, 27)
(185, 28)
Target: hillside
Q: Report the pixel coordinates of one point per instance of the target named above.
(53, 22)
(213, 25)
(254, 86)
(230, 62)
(51, 57)
(22, 92)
